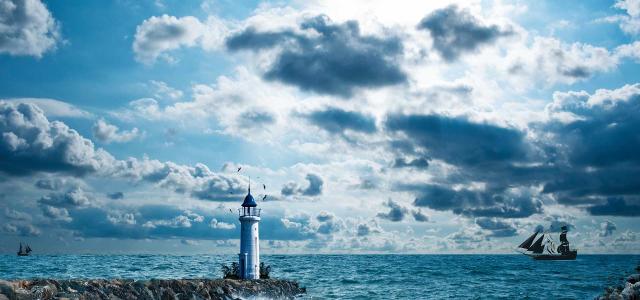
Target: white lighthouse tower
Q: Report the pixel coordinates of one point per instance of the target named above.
(249, 257)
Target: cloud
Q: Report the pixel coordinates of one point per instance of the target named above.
(459, 141)
(158, 35)
(503, 204)
(55, 108)
(27, 28)
(602, 162)
(336, 121)
(606, 228)
(30, 143)
(630, 22)
(169, 222)
(189, 242)
(418, 163)
(161, 90)
(72, 198)
(556, 222)
(221, 225)
(498, 228)
(12, 214)
(52, 184)
(367, 229)
(455, 31)
(116, 195)
(396, 212)
(177, 222)
(21, 229)
(256, 118)
(615, 207)
(313, 189)
(117, 218)
(549, 61)
(56, 213)
(329, 224)
(326, 58)
(108, 133)
(419, 216)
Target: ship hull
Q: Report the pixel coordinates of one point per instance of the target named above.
(23, 254)
(571, 255)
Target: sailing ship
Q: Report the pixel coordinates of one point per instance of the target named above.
(540, 246)
(24, 252)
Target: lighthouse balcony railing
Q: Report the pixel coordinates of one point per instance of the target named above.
(249, 211)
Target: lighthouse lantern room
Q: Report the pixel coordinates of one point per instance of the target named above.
(249, 257)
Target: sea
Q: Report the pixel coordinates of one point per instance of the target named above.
(362, 276)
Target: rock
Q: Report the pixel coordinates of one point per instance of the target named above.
(629, 291)
(150, 290)
(633, 278)
(6, 289)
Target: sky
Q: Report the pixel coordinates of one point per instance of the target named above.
(364, 126)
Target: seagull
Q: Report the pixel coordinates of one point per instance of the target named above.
(240, 168)
(264, 186)
(231, 211)
(265, 197)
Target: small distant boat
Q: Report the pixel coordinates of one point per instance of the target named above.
(543, 248)
(24, 252)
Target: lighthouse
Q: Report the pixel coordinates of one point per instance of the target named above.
(249, 256)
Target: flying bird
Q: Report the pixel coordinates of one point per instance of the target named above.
(231, 211)
(240, 168)
(265, 197)
(264, 186)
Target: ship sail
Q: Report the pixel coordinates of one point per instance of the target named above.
(537, 246)
(527, 243)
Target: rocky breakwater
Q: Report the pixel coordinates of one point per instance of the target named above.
(149, 289)
(629, 290)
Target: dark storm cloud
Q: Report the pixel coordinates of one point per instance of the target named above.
(313, 189)
(498, 228)
(482, 152)
(327, 58)
(459, 141)
(336, 120)
(605, 135)
(615, 207)
(396, 212)
(455, 31)
(473, 203)
(599, 152)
